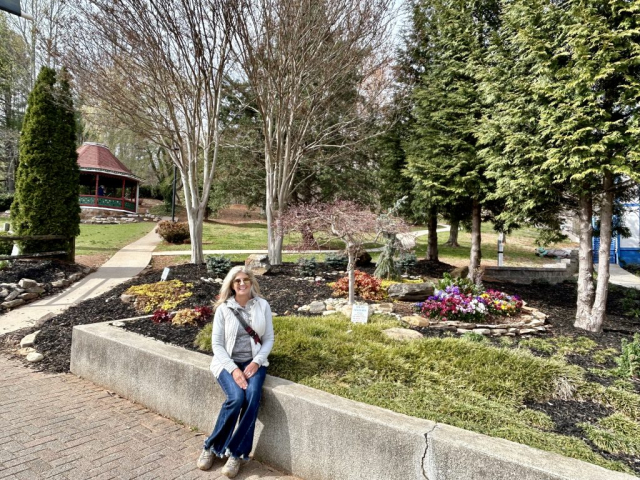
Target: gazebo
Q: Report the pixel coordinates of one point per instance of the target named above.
(105, 183)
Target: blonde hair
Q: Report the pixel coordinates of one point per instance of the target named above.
(227, 291)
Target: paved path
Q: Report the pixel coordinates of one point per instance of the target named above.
(406, 238)
(63, 427)
(126, 263)
(619, 276)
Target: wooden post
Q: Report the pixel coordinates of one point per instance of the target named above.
(72, 250)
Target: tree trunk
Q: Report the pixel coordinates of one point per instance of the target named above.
(453, 234)
(585, 263)
(307, 238)
(195, 217)
(432, 225)
(351, 270)
(475, 274)
(599, 309)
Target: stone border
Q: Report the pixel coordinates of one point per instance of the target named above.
(532, 321)
(312, 434)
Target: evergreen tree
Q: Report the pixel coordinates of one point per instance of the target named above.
(572, 129)
(442, 151)
(46, 198)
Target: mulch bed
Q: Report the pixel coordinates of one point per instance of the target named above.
(285, 294)
(42, 271)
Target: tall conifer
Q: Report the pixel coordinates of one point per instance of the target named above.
(46, 197)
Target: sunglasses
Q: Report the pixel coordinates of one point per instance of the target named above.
(238, 281)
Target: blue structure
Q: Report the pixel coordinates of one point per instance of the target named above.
(624, 251)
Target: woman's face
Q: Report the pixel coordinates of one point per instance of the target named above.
(242, 285)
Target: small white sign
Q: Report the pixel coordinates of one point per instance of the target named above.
(165, 274)
(360, 314)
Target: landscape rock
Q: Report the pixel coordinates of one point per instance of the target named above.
(383, 308)
(482, 331)
(29, 340)
(27, 283)
(410, 292)
(28, 296)
(316, 307)
(59, 283)
(117, 324)
(460, 272)
(259, 263)
(34, 357)
(402, 334)
(4, 292)
(12, 296)
(75, 277)
(36, 290)
(416, 321)
(26, 351)
(13, 303)
(329, 312)
(124, 298)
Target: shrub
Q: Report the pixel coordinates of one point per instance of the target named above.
(161, 316)
(336, 261)
(465, 285)
(203, 339)
(5, 246)
(307, 266)
(366, 286)
(173, 232)
(406, 262)
(218, 265)
(160, 295)
(629, 360)
(192, 316)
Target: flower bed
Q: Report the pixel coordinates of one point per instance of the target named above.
(452, 303)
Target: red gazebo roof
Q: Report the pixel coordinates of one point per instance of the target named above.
(98, 158)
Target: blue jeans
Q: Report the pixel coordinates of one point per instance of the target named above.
(226, 439)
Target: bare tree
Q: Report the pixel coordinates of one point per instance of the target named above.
(343, 220)
(159, 67)
(300, 57)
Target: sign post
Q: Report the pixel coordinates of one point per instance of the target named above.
(13, 7)
(501, 249)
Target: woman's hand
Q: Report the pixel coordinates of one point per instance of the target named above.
(239, 378)
(251, 370)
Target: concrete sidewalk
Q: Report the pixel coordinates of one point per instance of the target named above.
(125, 264)
(63, 427)
(619, 276)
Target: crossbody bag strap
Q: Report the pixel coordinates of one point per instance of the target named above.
(252, 333)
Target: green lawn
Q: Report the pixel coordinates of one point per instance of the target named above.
(519, 249)
(108, 239)
(472, 385)
(246, 236)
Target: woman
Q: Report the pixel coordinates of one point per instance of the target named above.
(240, 366)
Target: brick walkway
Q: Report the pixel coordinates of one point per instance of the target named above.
(63, 427)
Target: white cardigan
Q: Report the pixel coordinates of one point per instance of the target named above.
(225, 330)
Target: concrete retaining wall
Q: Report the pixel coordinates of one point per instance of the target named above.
(551, 273)
(310, 433)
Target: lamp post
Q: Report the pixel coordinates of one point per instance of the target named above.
(13, 7)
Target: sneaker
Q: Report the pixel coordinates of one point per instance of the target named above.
(231, 468)
(205, 460)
